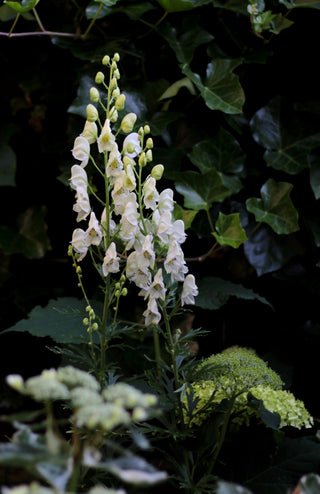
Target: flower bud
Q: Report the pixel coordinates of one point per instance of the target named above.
(106, 60)
(120, 101)
(99, 78)
(95, 326)
(15, 381)
(117, 293)
(117, 286)
(85, 321)
(128, 122)
(149, 143)
(116, 93)
(149, 155)
(88, 308)
(116, 57)
(130, 148)
(124, 292)
(113, 115)
(116, 74)
(114, 65)
(142, 159)
(92, 113)
(123, 278)
(92, 314)
(127, 160)
(146, 129)
(157, 172)
(94, 95)
(141, 132)
(113, 83)
(70, 250)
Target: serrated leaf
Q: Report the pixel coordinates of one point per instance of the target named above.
(283, 150)
(200, 191)
(22, 7)
(229, 230)
(61, 320)
(8, 163)
(184, 45)
(275, 207)
(221, 90)
(215, 293)
(173, 90)
(296, 457)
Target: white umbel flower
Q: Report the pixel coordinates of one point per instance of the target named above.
(111, 260)
(189, 290)
(81, 150)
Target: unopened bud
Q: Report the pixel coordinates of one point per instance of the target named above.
(116, 74)
(15, 381)
(149, 143)
(149, 156)
(78, 270)
(94, 95)
(113, 83)
(92, 314)
(123, 278)
(120, 101)
(128, 122)
(95, 326)
(146, 129)
(157, 172)
(106, 60)
(92, 113)
(70, 250)
(128, 161)
(113, 115)
(116, 93)
(117, 293)
(99, 78)
(85, 321)
(116, 57)
(142, 159)
(117, 286)
(88, 308)
(124, 292)
(141, 132)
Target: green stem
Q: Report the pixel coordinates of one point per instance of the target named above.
(157, 351)
(222, 436)
(210, 220)
(93, 21)
(13, 25)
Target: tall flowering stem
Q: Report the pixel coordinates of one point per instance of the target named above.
(137, 239)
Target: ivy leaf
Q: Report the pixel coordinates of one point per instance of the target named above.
(230, 231)
(186, 215)
(22, 7)
(61, 320)
(161, 120)
(296, 456)
(215, 292)
(285, 150)
(221, 90)
(268, 252)
(275, 207)
(185, 45)
(173, 90)
(201, 190)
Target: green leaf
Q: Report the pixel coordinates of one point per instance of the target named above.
(180, 5)
(185, 45)
(230, 231)
(270, 419)
(22, 7)
(215, 292)
(107, 3)
(221, 90)
(279, 23)
(275, 207)
(301, 3)
(8, 164)
(6, 13)
(296, 457)
(315, 175)
(268, 252)
(79, 105)
(61, 320)
(186, 215)
(200, 191)
(285, 150)
(160, 121)
(175, 88)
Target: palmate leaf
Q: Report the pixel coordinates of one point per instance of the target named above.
(275, 207)
(229, 230)
(200, 191)
(22, 7)
(221, 89)
(61, 320)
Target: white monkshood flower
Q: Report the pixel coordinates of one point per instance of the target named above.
(81, 150)
(131, 145)
(121, 199)
(80, 242)
(129, 224)
(189, 290)
(152, 314)
(156, 289)
(82, 206)
(166, 202)
(165, 227)
(114, 164)
(150, 193)
(78, 177)
(94, 231)
(175, 263)
(148, 251)
(130, 181)
(106, 138)
(112, 224)
(137, 272)
(90, 132)
(177, 232)
(111, 260)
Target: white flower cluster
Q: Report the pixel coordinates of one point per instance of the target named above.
(145, 226)
(36, 488)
